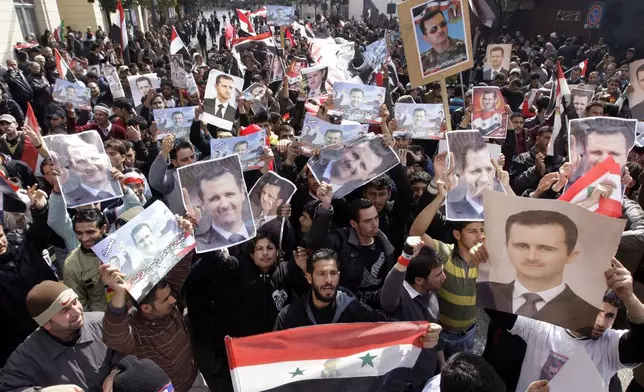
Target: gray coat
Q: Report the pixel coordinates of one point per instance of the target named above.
(166, 181)
(40, 361)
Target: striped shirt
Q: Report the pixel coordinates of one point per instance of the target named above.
(165, 341)
(457, 296)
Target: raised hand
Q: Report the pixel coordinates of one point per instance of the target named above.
(603, 189)
(118, 176)
(184, 224)
(300, 255)
(114, 278)
(325, 194)
(620, 280)
(193, 212)
(430, 338)
(546, 183)
(37, 197)
(133, 133)
(167, 145)
(284, 211)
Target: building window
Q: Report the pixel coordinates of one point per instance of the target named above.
(27, 17)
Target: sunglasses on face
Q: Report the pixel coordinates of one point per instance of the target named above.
(434, 29)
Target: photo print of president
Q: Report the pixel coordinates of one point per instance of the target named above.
(545, 259)
(267, 197)
(85, 168)
(474, 172)
(215, 194)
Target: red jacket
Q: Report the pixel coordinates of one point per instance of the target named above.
(116, 131)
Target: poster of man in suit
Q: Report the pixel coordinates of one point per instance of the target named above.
(66, 91)
(593, 139)
(581, 97)
(318, 133)
(280, 15)
(250, 149)
(421, 120)
(545, 260)
(636, 98)
(140, 85)
(214, 193)
(474, 172)
(220, 99)
(497, 60)
(85, 169)
(489, 115)
(347, 166)
(313, 83)
(178, 71)
(146, 248)
(267, 197)
(357, 102)
(175, 121)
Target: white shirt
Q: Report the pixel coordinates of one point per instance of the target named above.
(546, 295)
(223, 110)
(475, 204)
(226, 234)
(108, 188)
(410, 290)
(553, 345)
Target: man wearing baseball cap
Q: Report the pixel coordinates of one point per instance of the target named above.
(16, 143)
(67, 349)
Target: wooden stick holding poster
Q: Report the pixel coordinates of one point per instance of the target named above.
(436, 37)
(448, 115)
(282, 37)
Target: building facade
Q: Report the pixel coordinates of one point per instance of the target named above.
(18, 18)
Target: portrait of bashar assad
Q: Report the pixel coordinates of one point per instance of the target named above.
(144, 238)
(177, 119)
(580, 101)
(540, 244)
(355, 98)
(143, 84)
(332, 136)
(418, 117)
(489, 100)
(594, 139)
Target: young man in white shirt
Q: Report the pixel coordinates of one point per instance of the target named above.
(550, 346)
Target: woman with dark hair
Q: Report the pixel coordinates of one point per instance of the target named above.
(239, 296)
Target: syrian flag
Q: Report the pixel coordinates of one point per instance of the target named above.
(487, 11)
(230, 35)
(59, 33)
(355, 357)
(176, 44)
(305, 31)
(244, 23)
(309, 29)
(559, 91)
(606, 171)
(30, 119)
(64, 72)
(119, 31)
(583, 66)
(244, 43)
(289, 37)
(260, 12)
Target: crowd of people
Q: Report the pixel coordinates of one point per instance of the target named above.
(68, 323)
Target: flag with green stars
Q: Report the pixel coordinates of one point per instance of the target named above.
(337, 357)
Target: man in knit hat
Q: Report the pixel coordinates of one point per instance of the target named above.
(101, 123)
(133, 375)
(66, 350)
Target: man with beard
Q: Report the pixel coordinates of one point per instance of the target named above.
(366, 252)
(326, 303)
(66, 353)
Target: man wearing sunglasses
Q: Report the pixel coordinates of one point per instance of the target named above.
(445, 51)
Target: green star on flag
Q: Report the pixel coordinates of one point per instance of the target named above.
(297, 372)
(367, 360)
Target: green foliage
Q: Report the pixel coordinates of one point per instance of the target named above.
(110, 5)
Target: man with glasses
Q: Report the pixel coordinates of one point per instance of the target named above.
(444, 49)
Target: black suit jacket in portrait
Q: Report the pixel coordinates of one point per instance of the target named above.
(211, 239)
(210, 108)
(567, 309)
(463, 210)
(487, 74)
(81, 196)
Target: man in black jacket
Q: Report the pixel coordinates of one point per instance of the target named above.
(392, 214)
(19, 87)
(22, 267)
(326, 303)
(366, 253)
